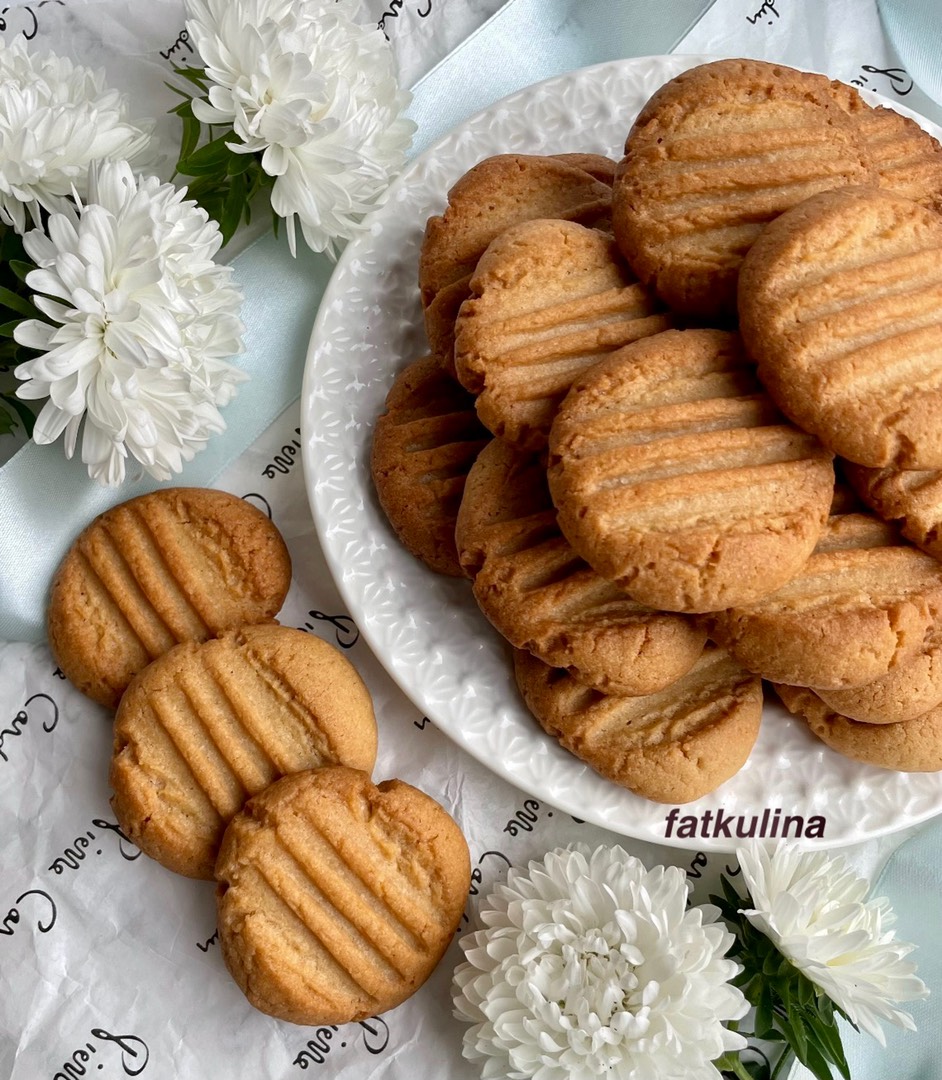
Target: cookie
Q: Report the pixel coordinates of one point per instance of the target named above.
(423, 446)
(907, 690)
(913, 746)
(674, 746)
(676, 478)
(841, 305)
(548, 300)
(542, 597)
(863, 604)
(910, 498)
(179, 564)
(597, 165)
(905, 159)
(499, 192)
(338, 897)
(714, 155)
(211, 723)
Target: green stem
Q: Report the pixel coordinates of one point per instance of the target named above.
(739, 1070)
(788, 1056)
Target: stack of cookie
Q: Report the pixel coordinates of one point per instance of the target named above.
(668, 370)
(243, 752)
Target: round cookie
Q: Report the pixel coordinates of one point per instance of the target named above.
(907, 690)
(840, 302)
(912, 746)
(676, 478)
(179, 564)
(548, 300)
(672, 747)
(863, 604)
(211, 723)
(905, 159)
(910, 498)
(423, 446)
(715, 154)
(338, 897)
(542, 597)
(497, 193)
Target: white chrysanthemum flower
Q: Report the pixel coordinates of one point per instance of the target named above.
(591, 965)
(142, 323)
(316, 95)
(56, 118)
(814, 910)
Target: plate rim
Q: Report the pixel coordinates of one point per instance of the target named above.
(353, 599)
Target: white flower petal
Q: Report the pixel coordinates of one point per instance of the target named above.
(136, 351)
(590, 965)
(56, 118)
(814, 910)
(316, 95)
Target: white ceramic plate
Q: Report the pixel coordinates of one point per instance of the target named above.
(426, 629)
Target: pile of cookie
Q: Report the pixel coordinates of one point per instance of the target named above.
(681, 426)
(243, 751)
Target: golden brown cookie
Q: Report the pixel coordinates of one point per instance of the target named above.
(498, 192)
(179, 564)
(906, 159)
(912, 746)
(715, 154)
(908, 689)
(911, 498)
(674, 746)
(423, 446)
(863, 604)
(548, 300)
(676, 478)
(542, 597)
(338, 897)
(841, 305)
(597, 165)
(211, 723)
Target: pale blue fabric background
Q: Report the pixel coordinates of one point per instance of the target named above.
(915, 29)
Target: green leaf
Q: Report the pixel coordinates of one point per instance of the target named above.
(7, 328)
(23, 412)
(817, 1064)
(15, 302)
(197, 76)
(806, 992)
(232, 208)
(240, 163)
(8, 423)
(208, 158)
(20, 268)
(834, 1048)
(191, 136)
(764, 1022)
(180, 93)
(796, 1036)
